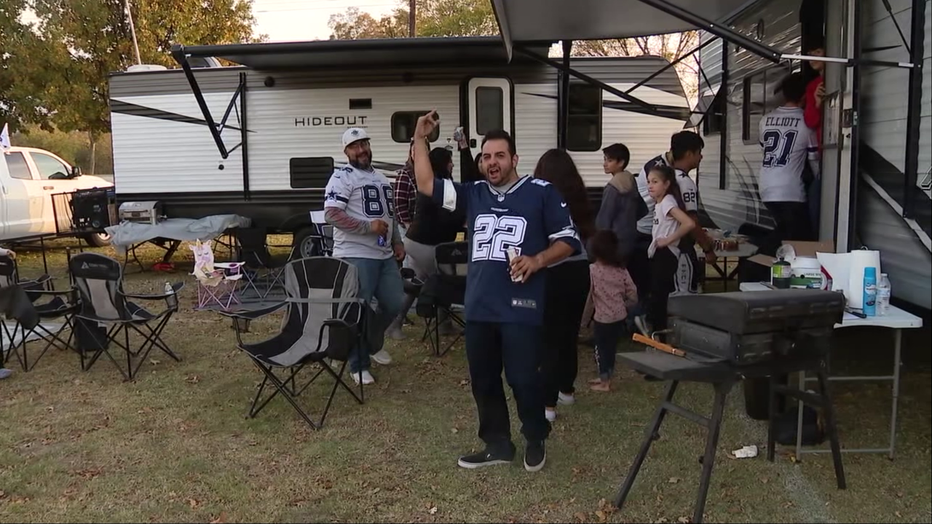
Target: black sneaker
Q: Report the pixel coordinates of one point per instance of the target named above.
(487, 457)
(535, 456)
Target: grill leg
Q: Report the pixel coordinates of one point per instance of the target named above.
(645, 446)
(708, 460)
(832, 427)
(771, 416)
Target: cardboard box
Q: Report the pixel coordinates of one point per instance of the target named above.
(803, 249)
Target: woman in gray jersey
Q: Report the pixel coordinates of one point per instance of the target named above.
(567, 285)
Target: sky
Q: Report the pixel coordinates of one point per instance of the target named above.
(290, 20)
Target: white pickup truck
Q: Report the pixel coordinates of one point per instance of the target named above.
(28, 179)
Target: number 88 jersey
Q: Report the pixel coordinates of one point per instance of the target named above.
(528, 217)
(365, 196)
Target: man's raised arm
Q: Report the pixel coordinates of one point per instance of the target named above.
(423, 173)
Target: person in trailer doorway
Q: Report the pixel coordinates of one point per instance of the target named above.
(685, 155)
(788, 142)
(812, 111)
(517, 226)
(358, 204)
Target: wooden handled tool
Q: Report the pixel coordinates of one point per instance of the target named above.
(666, 348)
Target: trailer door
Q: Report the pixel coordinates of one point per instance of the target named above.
(489, 107)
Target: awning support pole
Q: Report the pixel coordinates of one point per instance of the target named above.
(588, 79)
(721, 31)
(564, 97)
(671, 64)
(181, 57)
(914, 103)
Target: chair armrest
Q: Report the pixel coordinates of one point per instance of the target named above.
(176, 287)
(325, 300)
(253, 314)
(41, 292)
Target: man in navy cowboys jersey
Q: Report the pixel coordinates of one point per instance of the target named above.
(358, 204)
(504, 299)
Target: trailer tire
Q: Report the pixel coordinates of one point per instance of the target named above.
(98, 239)
(306, 244)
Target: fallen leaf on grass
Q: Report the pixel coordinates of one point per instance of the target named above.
(580, 517)
(684, 520)
(88, 473)
(154, 362)
(192, 379)
(433, 510)
(2, 494)
(674, 480)
(601, 515)
(193, 503)
(222, 518)
(898, 515)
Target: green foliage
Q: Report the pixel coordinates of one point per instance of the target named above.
(433, 18)
(58, 73)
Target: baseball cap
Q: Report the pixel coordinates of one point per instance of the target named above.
(354, 134)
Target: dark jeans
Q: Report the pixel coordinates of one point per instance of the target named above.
(792, 220)
(639, 268)
(606, 340)
(663, 282)
(516, 347)
(567, 291)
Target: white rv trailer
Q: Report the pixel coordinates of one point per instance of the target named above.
(884, 202)
(288, 104)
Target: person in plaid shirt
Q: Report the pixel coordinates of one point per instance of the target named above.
(405, 193)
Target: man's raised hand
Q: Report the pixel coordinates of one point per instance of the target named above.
(426, 125)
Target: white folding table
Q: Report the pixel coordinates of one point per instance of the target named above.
(895, 319)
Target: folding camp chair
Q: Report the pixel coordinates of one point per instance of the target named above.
(103, 302)
(324, 319)
(62, 306)
(322, 236)
(444, 293)
(217, 283)
(260, 265)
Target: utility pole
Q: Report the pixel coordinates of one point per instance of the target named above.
(412, 14)
(132, 30)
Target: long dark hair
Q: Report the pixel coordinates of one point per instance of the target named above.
(557, 167)
(667, 174)
(440, 160)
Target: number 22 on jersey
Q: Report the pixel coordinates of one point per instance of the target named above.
(493, 235)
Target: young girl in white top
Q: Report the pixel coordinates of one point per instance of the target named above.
(671, 223)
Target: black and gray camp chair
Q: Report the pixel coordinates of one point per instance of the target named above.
(61, 306)
(105, 311)
(263, 270)
(444, 293)
(324, 320)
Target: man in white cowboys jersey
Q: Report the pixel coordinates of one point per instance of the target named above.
(685, 155)
(359, 205)
(518, 226)
(788, 142)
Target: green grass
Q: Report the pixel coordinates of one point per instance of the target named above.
(175, 446)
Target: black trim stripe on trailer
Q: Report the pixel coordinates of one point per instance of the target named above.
(126, 108)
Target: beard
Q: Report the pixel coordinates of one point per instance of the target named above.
(363, 162)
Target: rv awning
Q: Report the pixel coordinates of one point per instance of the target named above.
(358, 53)
(522, 21)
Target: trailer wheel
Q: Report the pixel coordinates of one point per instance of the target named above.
(98, 239)
(306, 243)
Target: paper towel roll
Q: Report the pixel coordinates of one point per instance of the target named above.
(860, 259)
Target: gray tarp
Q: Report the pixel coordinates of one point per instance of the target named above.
(126, 234)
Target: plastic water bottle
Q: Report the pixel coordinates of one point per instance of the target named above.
(883, 295)
(168, 289)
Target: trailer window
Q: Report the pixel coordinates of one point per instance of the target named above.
(760, 99)
(584, 123)
(18, 168)
(715, 116)
(403, 123)
(310, 172)
(490, 109)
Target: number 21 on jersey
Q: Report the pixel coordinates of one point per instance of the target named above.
(493, 235)
(777, 147)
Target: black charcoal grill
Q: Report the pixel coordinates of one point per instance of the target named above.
(729, 337)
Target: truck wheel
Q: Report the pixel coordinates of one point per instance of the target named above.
(98, 239)
(306, 243)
